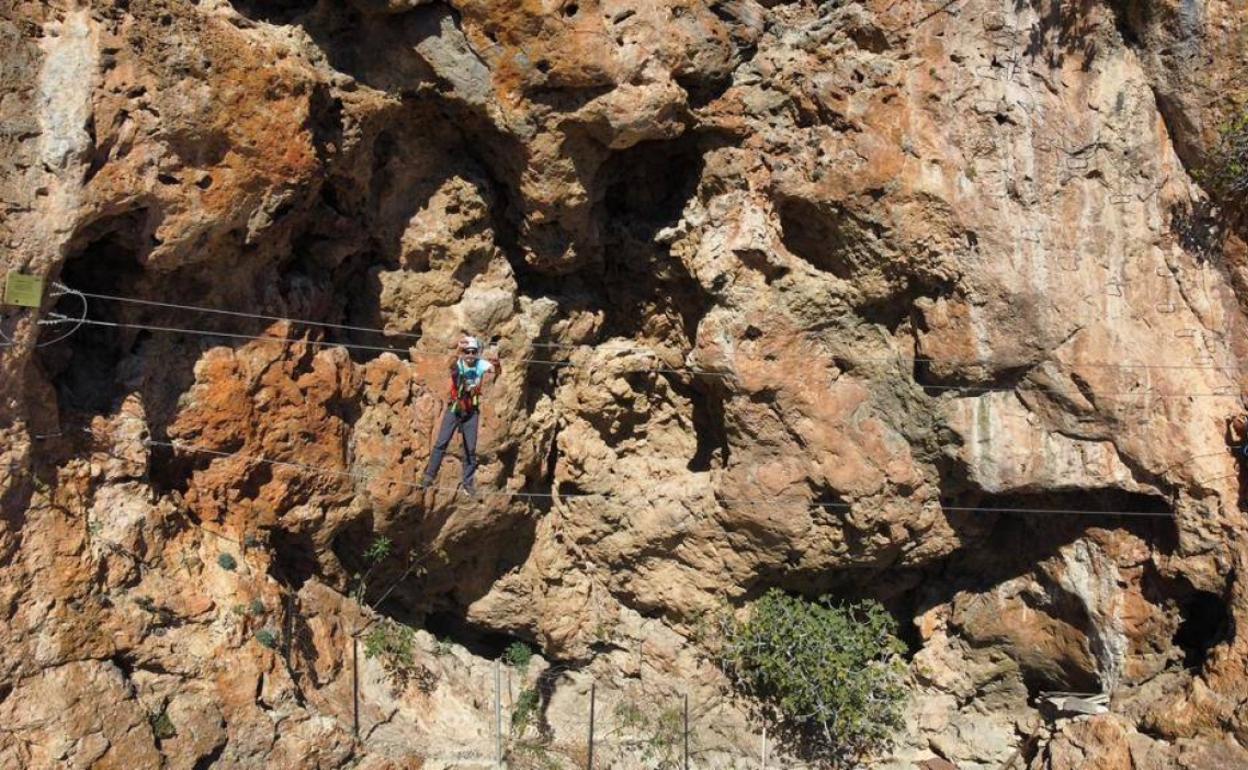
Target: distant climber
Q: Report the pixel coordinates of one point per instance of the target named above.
(468, 378)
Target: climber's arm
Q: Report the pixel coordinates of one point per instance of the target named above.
(491, 375)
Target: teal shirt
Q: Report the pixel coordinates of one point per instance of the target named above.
(471, 376)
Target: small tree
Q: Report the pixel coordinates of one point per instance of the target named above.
(227, 562)
(830, 675)
(374, 555)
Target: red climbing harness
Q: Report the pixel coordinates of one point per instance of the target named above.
(464, 397)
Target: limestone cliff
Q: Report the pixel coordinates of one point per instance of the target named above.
(919, 301)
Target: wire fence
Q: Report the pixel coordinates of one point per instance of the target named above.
(555, 716)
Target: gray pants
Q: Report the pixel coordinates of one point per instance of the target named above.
(466, 424)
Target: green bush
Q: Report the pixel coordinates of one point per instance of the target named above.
(518, 655)
(256, 607)
(267, 638)
(831, 676)
(227, 562)
(1226, 173)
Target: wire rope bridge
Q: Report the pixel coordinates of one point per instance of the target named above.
(82, 318)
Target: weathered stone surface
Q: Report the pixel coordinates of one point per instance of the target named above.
(916, 301)
(54, 718)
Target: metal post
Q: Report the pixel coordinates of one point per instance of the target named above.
(686, 731)
(355, 686)
(498, 711)
(290, 626)
(589, 765)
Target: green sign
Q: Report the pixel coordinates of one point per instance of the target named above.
(23, 290)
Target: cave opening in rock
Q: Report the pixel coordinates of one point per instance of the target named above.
(294, 557)
(353, 545)
(820, 237)
(342, 291)
(645, 290)
(645, 187)
(421, 580)
(1131, 19)
(274, 11)
(84, 366)
(477, 640)
(1066, 514)
(1039, 679)
(1020, 543)
(1004, 536)
(709, 426)
(1205, 624)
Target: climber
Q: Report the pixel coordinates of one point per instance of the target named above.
(468, 371)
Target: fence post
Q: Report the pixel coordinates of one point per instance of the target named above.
(290, 626)
(589, 765)
(498, 711)
(355, 686)
(686, 731)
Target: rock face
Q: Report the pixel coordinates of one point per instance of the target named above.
(915, 301)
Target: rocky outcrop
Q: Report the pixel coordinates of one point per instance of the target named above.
(922, 302)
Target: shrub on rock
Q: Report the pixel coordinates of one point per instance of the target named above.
(830, 676)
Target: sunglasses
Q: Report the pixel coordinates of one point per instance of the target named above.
(472, 351)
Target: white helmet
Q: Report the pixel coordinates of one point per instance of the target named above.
(470, 343)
